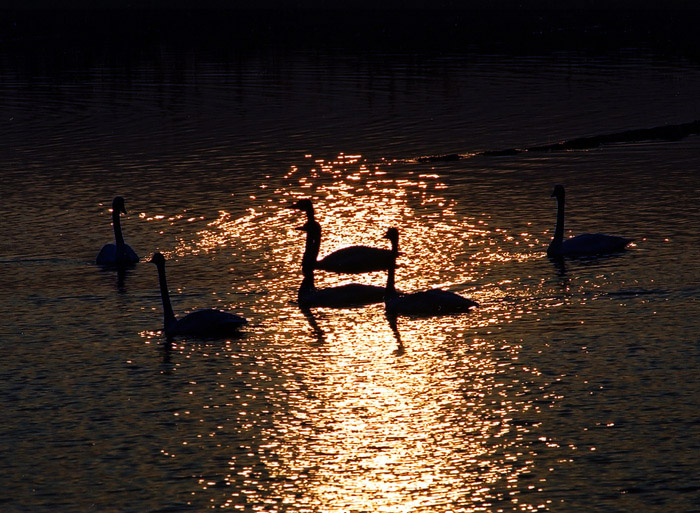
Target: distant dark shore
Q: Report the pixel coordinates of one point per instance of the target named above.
(507, 29)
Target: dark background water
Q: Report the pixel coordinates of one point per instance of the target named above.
(570, 389)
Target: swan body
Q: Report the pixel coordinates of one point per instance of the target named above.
(343, 296)
(350, 260)
(426, 303)
(356, 260)
(118, 254)
(587, 244)
(207, 323)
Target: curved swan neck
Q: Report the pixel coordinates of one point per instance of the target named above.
(390, 290)
(116, 223)
(391, 281)
(168, 314)
(559, 229)
(311, 249)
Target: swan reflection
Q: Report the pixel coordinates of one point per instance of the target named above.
(393, 324)
(311, 319)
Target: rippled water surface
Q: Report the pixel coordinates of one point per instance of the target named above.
(571, 388)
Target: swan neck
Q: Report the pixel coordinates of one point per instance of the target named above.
(390, 290)
(311, 249)
(391, 281)
(307, 284)
(116, 223)
(168, 314)
(559, 229)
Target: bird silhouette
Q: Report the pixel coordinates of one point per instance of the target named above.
(207, 323)
(350, 260)
(348, 295)
(118, 254)
(426, 303)
(587, 244)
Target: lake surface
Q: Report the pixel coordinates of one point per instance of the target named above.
(571, 388)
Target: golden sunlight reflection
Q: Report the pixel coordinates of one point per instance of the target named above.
(370, 428)
(370, 413)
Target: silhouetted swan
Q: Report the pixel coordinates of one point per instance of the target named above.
(427, 303)
(350, 260)
(343, 296)
(587, 244)
(200, 323)
(119, 254)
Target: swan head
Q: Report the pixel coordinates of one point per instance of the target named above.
(558, 191)
(304, 205)
(392, 234)
(118, 205)
(157, 259)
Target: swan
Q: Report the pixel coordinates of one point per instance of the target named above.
(587, 244)
(343, 296)
(350, 260)
(118, 254)
(207, 323)
(426, 303)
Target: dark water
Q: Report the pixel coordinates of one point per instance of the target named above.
(570, 389)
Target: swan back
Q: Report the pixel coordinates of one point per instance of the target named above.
(343, 296)
(356, 260)
(429, 303)
(592, 244)
(360, 259)
(207, 323)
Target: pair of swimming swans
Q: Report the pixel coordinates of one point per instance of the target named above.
(427, 303)
(207, 323)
